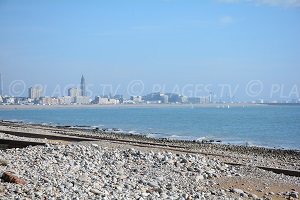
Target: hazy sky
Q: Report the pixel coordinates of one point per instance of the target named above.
(166, 42)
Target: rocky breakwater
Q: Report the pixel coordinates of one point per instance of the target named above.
(90, 171)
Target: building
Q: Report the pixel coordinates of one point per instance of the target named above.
(156, 98)
(66, 100)
(9, 100)
(260, 101)
(119, 97)
(165, 98)
(49, 101)
(81, 100)
(128, 101)
(35, 92)
(22, 101)
(173, 98)
(74, 92)
(194, 100)
(136, 99)
(204, 100)
(75, 96)
(82, 87)
(211, 97)
(184, 99)
(105, 101)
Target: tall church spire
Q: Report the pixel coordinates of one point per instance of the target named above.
(82, 86)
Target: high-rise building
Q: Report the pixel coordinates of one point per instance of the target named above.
(35, 92)
(74, 92)
(210, 97)
(1, 85)
(82, 87)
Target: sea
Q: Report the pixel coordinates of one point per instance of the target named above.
(266, 126)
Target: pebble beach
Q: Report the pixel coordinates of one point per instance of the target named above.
(119, 166)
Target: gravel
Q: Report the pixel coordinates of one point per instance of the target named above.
(89, 172)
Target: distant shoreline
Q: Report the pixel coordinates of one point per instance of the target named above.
(93, 106)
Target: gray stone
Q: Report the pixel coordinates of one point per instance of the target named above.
(153, 184)
(183, 160)
(79, 171)
(38, 194)
(95, 145)
(254, 196)
(2, 189)
(199, 178)
(236, 190)
(294, 195)
(160, 178)
(95, 191)
(3, 162)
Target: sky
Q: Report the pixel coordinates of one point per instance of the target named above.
(246, 49)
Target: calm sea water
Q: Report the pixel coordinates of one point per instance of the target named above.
(269, 126)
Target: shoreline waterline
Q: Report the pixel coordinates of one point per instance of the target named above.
(140, 136)
(93, 106)
(265, 126)
(154, 136)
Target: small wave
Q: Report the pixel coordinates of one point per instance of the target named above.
(118, 131)
(82, 127)
(159, 134)
(133, 132)
(15, 120)
(152, 135)
(97, 126)
(181, 137)
(201, 138)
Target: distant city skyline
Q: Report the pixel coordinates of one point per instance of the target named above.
(225, 92)
(164, 44)
(79, 96)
